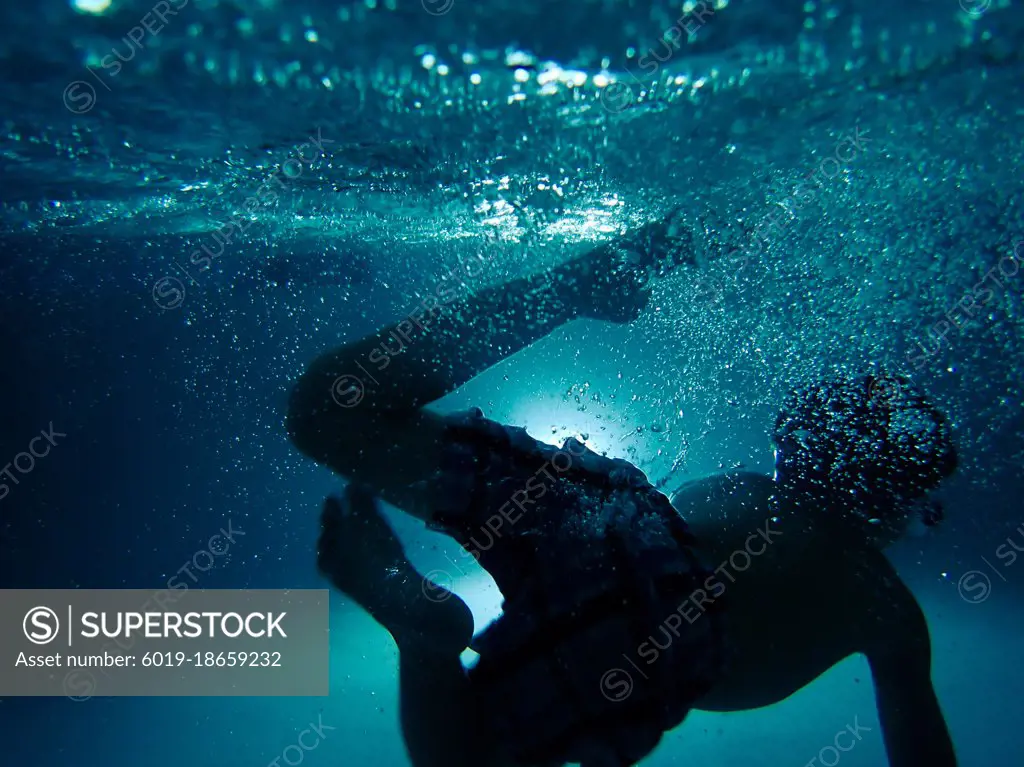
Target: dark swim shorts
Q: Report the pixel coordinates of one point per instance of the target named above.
(594, 564)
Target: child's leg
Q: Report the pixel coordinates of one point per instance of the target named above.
(359, 553)
(357, 389)
(450, 344)
(440, 717)
(361, 556)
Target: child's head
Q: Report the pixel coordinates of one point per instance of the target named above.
(872, 447)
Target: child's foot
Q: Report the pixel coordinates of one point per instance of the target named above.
(613, 281)
(359, 552)
(357, 549)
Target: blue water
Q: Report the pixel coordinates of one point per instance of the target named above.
(520, 131)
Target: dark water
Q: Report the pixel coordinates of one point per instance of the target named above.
(866, 157)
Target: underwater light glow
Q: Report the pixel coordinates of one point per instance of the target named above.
(585, 224)
(553, 423)
(95, 7)
(481, 595)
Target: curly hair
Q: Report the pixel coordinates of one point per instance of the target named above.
(873, 444)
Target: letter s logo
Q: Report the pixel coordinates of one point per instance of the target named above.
(40, 625)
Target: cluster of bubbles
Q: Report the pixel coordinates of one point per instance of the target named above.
(873, 444)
